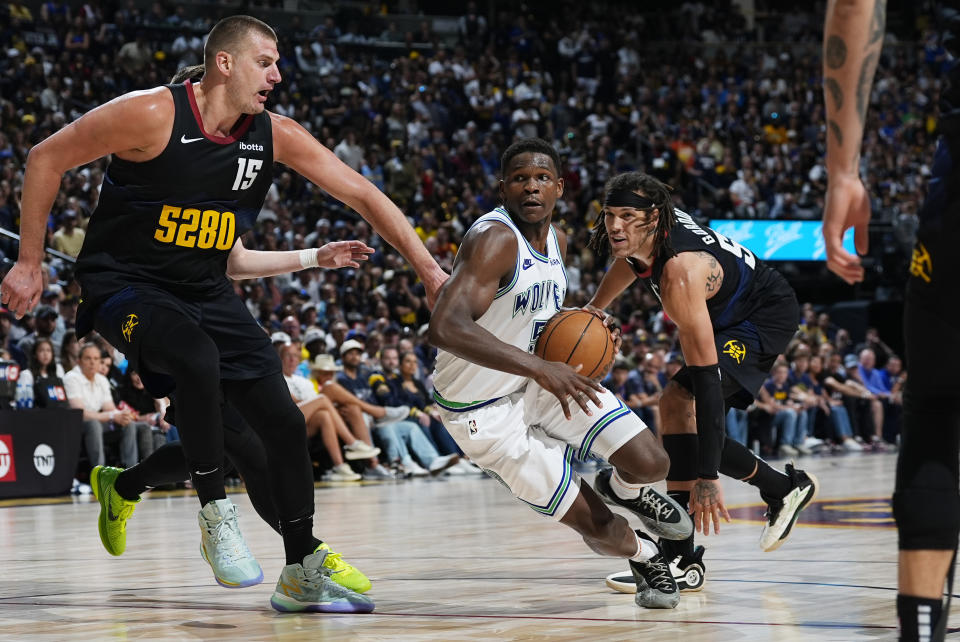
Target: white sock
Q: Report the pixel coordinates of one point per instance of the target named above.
(622, 489)
(645, 550)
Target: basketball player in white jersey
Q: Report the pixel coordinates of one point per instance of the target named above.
(509, 410)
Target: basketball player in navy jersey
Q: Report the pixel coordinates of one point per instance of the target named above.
(926, 504)
(191, 167)
(734, 315)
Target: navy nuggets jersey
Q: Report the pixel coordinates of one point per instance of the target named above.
(172, 221)
(750, 288)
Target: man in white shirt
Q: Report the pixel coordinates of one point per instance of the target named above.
(89, 391)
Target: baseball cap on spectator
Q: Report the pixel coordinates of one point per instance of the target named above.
(323, 222)
(393, 328)
(350, 344)
(45, 312)
(621, 364)
(339, 224)
(356, 332)
(675, 357)
(279, 337)
(325, 363)
(313, 334)
(850, 361)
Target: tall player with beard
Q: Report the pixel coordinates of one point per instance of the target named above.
(191, 167)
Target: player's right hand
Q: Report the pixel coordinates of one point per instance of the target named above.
(564, 382)
(21, 288)
(847, 205)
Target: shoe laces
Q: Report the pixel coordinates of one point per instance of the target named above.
(650, 499)
(658, 575)
(122, 509)
(334, 562)
(227, 532)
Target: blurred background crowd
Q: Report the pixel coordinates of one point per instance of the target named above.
(721, 100)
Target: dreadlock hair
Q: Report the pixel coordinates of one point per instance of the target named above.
(194, 72)
(653, 189)
(526, 145)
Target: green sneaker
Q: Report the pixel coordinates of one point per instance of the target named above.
(114, 510)
(343, 573)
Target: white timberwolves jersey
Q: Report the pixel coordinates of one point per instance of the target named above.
(516, 316)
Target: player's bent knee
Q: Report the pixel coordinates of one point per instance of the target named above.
(927, 509)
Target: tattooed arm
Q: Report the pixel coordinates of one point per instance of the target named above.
(852, 40)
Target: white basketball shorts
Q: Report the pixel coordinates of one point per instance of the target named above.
(524, 441)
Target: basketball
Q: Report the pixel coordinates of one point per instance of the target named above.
(577, 337)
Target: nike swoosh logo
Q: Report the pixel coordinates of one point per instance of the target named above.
(185, 140)
(110, 514)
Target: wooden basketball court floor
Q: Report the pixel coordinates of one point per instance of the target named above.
(454, 559)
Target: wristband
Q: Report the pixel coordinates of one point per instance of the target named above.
(308, 258)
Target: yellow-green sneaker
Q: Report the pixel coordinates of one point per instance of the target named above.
(114, 510)
(343, 573)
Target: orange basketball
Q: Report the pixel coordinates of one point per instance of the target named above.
(577, 337)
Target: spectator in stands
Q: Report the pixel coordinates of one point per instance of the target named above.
(410, 391)
(322, 418)
(89, 391)
(402, 439)
(69, 356)
(45, 325)
(833, 390)
(44, 377)
(873, 381)
(152, 430)
(68, 238)
(774, 400)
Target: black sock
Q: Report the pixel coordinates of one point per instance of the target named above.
(298, 539)
(315, 544)
(682, 497)
(670, 548)
(773, 484)
(208, 482)
(918, 617)
(166, 465)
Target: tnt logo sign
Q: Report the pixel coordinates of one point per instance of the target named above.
(8, 473)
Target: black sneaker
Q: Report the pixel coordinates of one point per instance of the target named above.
(659, 514)
(782, 514)
(688, 572)
(656, 588)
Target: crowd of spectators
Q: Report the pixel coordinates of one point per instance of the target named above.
(725, 109)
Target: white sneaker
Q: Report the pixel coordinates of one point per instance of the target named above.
(786, 450)
(341, 472)
(411, 467)
(456, 470)
(394, 414)
(802, 449)
(360, 450)
(812, 442)
(443, 462)
(378, 473)
(851, 446)
(223, 547)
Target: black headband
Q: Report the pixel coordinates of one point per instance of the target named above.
(628, 198)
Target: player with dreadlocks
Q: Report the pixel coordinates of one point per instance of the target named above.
(734, 315)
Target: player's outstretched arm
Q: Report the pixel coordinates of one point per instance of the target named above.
(618, 278)
(244, 263)
(295, 147)
(487, 255)
(683, 289)
(852, 42)
(135, 126)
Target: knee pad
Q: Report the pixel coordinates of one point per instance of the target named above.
(927, 509)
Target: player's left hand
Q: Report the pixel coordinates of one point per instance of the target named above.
(339, 254)
(610, 323)
(706, 504)
(847, 205)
